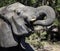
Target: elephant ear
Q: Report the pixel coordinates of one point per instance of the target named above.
(6, 37)
(50, 15)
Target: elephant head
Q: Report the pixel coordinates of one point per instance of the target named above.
(19, 16)
(16, 14)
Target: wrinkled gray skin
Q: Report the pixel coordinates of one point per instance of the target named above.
(16, 15)
(6, 37)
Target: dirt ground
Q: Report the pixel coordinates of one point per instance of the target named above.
(48, 46)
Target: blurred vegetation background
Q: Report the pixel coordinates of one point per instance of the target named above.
(55, 4)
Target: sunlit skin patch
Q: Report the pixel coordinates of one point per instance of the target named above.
(33, 19)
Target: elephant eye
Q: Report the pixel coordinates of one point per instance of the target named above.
(18, 13)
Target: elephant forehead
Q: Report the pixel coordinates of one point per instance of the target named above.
(14, 6)
(26, 11)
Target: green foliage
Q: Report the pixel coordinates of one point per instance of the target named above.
(6, 2)
(58, 1)
(33, 1)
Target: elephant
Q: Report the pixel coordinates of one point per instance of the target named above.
(19, 20)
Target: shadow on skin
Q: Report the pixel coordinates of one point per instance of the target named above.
(25, 45)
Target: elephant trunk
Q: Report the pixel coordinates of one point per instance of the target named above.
(50, 16)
